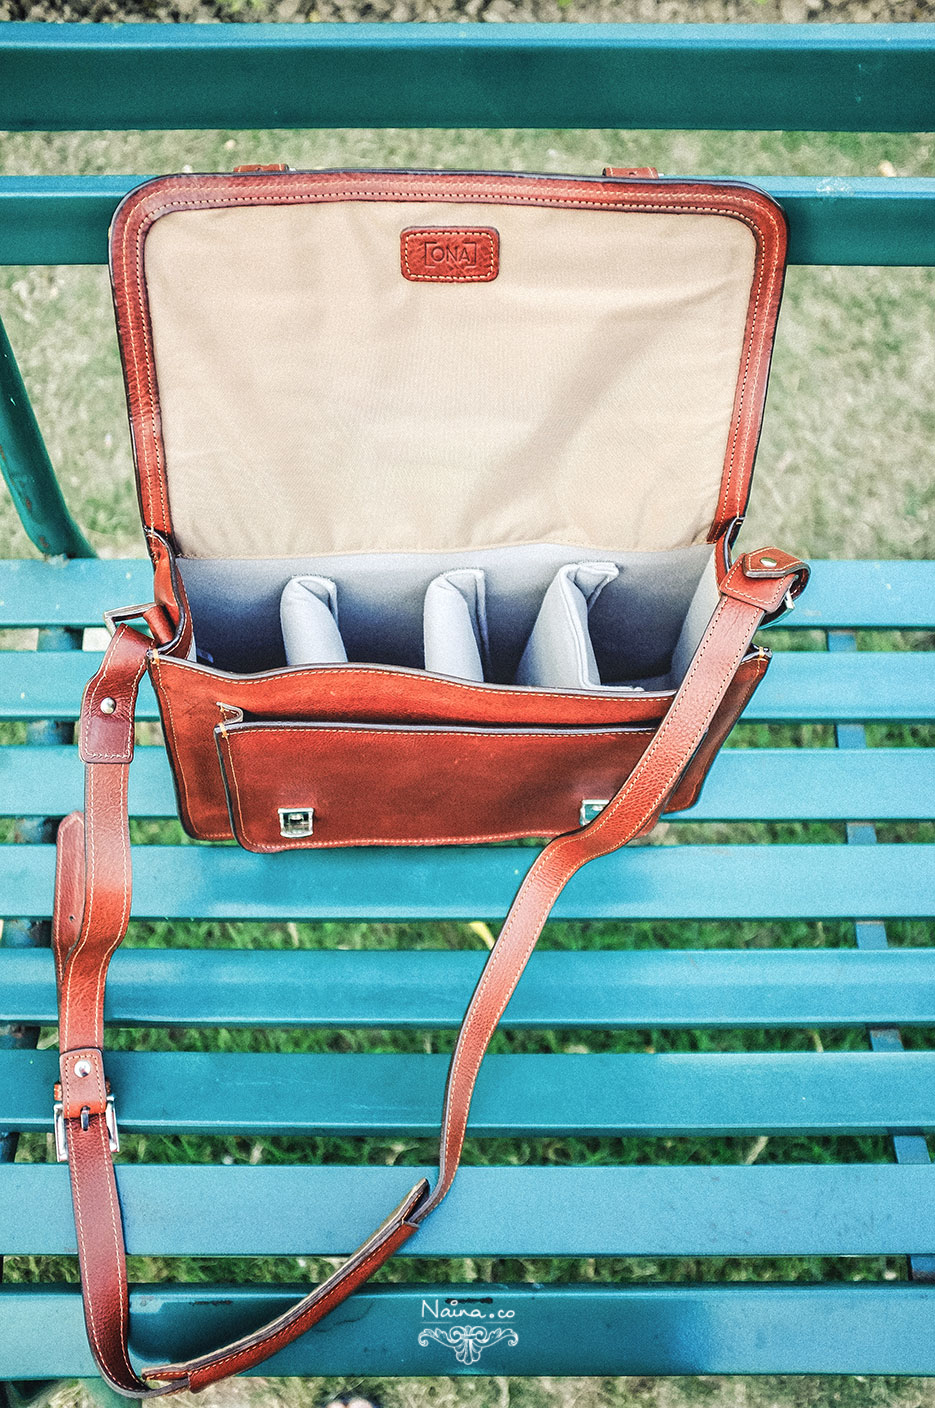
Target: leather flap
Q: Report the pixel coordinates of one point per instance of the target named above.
(344, 362)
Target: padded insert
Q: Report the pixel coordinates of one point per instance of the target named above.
(308, 615)
(635, 622)
(559, 653)
(454, 624)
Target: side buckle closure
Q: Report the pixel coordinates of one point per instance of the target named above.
(58, 1128)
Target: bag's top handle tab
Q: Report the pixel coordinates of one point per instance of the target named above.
(631, 173)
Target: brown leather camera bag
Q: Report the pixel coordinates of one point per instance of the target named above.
(483, 442)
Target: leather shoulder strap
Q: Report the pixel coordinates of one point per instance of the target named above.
(745, 602)
(91, 912)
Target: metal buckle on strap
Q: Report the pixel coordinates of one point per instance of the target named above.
(113, 619)
(58, 1128)
(785, 606)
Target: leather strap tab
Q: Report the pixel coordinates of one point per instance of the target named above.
(105, 733)
(82, 1082)
(171, 599)
(632, 173)
(765, 579)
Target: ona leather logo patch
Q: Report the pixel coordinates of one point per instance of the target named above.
(450, 256)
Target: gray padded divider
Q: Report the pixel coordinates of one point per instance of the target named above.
(559, 653)
(455, 624)
(635, 623)
(308, 615)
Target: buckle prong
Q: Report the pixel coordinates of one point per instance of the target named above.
(58, 1128)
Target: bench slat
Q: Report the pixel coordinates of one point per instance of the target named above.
(854, 78)
(854, 220)
(70, 593)
(561, 1330)
(840, 594)
(223, 1092)
(865, 78)
(810, 685)
(775, 784)
(472, 882)
(804, 1209)
(430, 989)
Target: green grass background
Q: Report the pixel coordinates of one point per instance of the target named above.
(844, 470)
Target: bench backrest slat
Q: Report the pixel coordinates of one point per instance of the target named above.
(867, 78)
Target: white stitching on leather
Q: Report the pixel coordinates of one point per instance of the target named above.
(536, 732)
(68, 823)
(127, 887)
(86, 916)
(91, 850)
(776, 229)
(484, 693)
(487, 278)
(153, 439)
(276, 1328)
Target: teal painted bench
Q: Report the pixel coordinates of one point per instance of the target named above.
(820, 77)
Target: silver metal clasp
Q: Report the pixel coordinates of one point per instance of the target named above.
(785, 606)
(58, 1129)
(590, 808)
(113, 619)
(296, 821)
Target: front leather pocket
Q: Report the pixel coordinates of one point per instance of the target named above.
(294, 785)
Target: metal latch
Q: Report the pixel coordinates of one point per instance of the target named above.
(590, 808)
(58, 1128)
(296, 821)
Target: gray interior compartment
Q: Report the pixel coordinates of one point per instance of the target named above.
(636, 624)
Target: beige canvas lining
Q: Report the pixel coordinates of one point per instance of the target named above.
(315, 401)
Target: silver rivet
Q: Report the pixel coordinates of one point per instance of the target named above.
(766, 561)
(82, 1067)
(108, 705)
